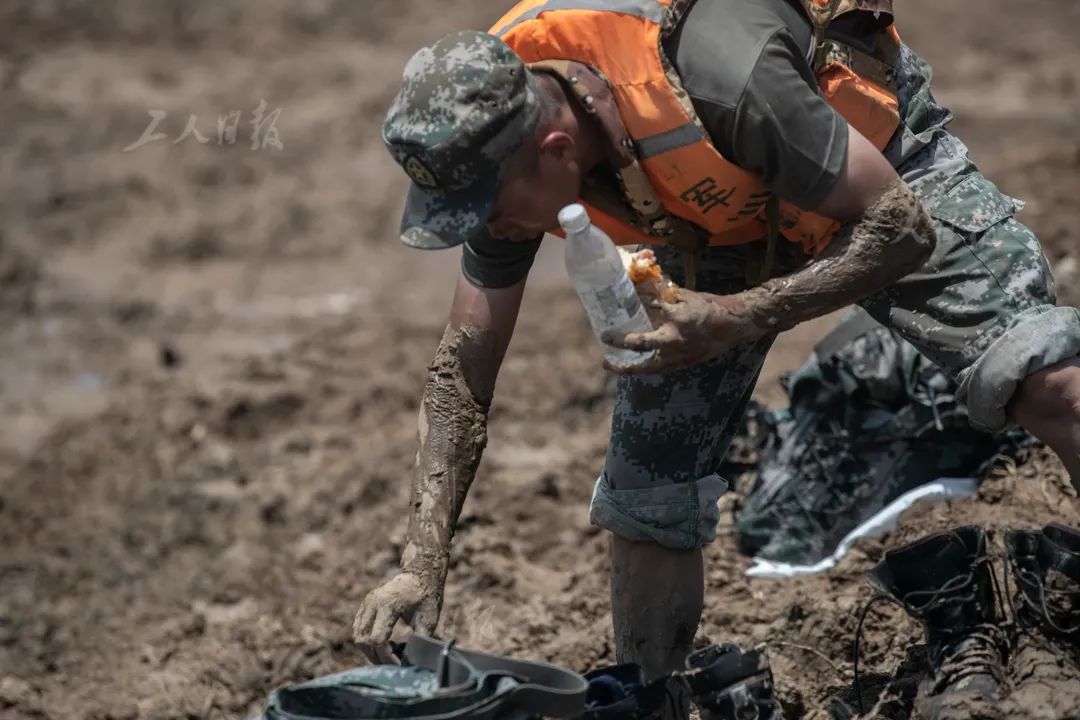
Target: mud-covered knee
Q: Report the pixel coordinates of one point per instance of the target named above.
(679, 516)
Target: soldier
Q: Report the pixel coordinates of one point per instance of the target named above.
(787, 159)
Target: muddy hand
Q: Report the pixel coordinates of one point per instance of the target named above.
(403, 597)
(696, 329)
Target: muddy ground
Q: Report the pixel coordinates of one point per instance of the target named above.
(212, 357)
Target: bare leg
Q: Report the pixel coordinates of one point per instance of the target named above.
(656, 599)
(1048, 406)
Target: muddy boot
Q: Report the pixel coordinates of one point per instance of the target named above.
(1045, 667)
(620, 692)
(945, 581)
(729, 684)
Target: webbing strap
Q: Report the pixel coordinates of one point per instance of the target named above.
(879, 67)
(881, 70)
(821, 13)
(648, 9)
(470, 686)
(772, 236)
(680, 234)
(673, 139)
(649, 214)
(544, 689)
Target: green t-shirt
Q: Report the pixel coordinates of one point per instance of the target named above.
(744, 65)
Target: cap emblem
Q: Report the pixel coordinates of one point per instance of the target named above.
(420, 173)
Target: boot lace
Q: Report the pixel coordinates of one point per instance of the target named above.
(1048, 603)
(979, 651)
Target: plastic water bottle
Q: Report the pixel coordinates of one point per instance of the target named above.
(600, 279)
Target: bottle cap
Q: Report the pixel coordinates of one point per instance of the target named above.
(574, 218)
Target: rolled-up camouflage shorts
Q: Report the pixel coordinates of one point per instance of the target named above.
(982, 308)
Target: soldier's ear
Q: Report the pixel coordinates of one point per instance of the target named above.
(557, 144)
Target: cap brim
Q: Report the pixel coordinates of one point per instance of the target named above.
(439, 220)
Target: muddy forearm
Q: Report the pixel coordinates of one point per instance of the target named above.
(894, 237)
(453, 433)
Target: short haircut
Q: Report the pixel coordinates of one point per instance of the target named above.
(552, 99)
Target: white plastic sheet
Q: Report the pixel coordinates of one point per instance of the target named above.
(877, 525)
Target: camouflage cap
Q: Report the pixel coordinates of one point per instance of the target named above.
(466, 104)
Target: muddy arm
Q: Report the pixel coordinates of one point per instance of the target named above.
(886, 235)
(453, 432)
(892, 238)
(453, 420)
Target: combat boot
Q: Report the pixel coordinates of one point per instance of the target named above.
(620, 692)
(1045, 667)
(727, 683)
(945, 581)
(724, 682)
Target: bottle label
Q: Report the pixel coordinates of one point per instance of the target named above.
(612, 306)
(609, 304)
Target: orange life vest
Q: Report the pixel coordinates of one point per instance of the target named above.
(622, 40)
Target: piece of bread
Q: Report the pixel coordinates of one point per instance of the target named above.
(647, 275)
(642, 266)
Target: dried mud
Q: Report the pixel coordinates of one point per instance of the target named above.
(894, 237)
(214, 356)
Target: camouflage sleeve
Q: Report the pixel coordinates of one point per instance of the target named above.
(494, 264)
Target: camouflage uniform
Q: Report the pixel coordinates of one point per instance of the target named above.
(983, 309)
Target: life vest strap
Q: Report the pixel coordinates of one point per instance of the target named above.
(651, 217)
(879, 68)
(636, 188)
(772, 237)
(821, 14)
